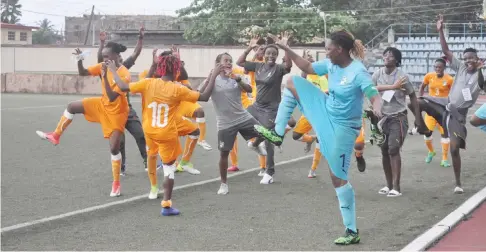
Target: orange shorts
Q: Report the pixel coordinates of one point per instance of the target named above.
(94, 111)
(185, 126)
(168, 149)
(431, 123)
(303, 126)
(187, 109)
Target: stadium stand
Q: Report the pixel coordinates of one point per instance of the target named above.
(419, 54)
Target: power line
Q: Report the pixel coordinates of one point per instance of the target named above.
(301, 18)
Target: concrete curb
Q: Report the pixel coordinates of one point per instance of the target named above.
(444, 226)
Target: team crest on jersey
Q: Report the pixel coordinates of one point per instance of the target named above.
(344, 81)
(444, 83)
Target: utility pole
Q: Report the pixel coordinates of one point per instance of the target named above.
(89, 25)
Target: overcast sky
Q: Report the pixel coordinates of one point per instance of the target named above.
(56, 10)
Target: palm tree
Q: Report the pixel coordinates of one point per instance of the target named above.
(11, 11)
(45, 34)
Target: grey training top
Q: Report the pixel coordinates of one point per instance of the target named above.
(466, 83)
(398, 102)
(226, 99)
(462, 81)
(268, 83)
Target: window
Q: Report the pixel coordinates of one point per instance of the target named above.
(11, 35)
(23, 36)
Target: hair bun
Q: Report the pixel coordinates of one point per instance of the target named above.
(121, 48)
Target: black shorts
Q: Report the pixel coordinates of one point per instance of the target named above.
(395, 128)
(226, 137)
(265, 117)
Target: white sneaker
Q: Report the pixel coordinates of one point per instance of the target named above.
(260, 150)
(458, 190)
(267, 179)
(312, 174)
(223, 189)
(158, 168)
(261, 173)
(205, 145)
(188, 167)
(154, 193)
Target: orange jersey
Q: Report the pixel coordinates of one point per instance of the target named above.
(143, 75)
(120, 105)
(438, 87)
(161, 100)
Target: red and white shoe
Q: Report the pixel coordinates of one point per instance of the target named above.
(115, 189)
(52, 137)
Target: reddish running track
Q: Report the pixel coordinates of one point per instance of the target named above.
(468, 235)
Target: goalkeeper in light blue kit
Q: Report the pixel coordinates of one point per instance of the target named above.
(336, 118)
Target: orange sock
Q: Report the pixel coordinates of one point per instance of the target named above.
(445, 147)
(166, 203)
(317, 158)
(234, 154)
(263, 161)
(306, 138)
(202, 128)
(115, 166)
(428, 143)
(189, 148)
(152, 169)
(66, 119)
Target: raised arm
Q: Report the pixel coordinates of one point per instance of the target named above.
(443, 43)
(81, 70)
(130, 61)
(303, 64)
(153, 67)
(209, 89)
(102, 45)
(242, 59)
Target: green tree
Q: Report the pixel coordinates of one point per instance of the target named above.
(374, 16)
(234, 21)
(11, 12)
(45, 34)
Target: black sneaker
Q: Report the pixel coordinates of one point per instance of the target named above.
(361, 163)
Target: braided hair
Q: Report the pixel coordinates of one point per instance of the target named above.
(347, 41)
(168, 65)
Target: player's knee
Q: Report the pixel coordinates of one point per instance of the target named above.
(291, 122)
(394, 150)
(72, 108)
(359, 146)
(169, 170)
(195, 133)
(384, 151)
(224, 154)
(296, 136)
(475, 121)
(199, 112)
